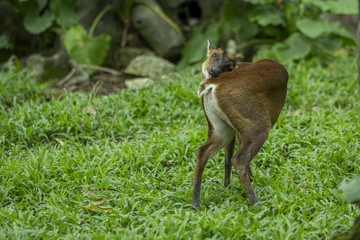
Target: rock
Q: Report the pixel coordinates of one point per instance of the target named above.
(156, 32)
(138, 83)
(170, 3)
(76, 76)
(52, 67)
(149, 66)
(123, 56)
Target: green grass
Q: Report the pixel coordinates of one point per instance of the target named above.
(139, 150)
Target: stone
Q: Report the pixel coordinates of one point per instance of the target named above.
(156, 32)
(49, 67)
(138, 83)
(149, 66)
(171, 3)
(123, 56)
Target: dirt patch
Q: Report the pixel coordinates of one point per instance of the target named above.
(105, 83)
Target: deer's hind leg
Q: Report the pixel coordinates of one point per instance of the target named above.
(229, 152)
(249, 145)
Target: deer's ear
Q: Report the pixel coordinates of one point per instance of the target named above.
(210, 46)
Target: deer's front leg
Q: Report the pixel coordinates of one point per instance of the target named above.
(203, 154)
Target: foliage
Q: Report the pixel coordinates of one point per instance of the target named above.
(302, 28)
(83, 47)
(41, 15)
(135, 154)
(195, 49)
(288, 30)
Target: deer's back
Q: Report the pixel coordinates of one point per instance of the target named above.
(254, 88)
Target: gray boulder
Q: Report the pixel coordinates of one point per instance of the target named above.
(49, 67)
(156, 32)
(149, 66)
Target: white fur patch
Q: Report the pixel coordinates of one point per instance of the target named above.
(217, 118)
(205, 73)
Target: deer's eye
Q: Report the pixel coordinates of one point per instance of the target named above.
(214, 55)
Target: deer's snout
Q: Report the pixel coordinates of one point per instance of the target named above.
(214, 72)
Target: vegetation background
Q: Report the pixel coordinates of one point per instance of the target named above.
(119, 164)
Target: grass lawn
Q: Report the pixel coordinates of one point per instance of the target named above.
(136, 156)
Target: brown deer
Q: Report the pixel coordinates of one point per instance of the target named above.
(238, 99)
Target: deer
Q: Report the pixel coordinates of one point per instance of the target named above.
(240, 100)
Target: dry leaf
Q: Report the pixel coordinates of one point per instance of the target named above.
(97, 204)
(276, 205)
(165, 164)
(89, 110)
(60, 141)
(215, 180)
(91, 192)
(298, 111)
(302, 189)
(105, 209)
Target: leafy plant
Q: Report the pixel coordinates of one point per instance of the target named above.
(303, 29)
(41, 15)
(195, 49)
(82, 47)
(287, 30)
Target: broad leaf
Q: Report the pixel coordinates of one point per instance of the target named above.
(36, 23)
(314, 29)
(267, 16)
(65, 13)
(260, 2)
(235, 17)
(195, 49)
(295, 47)
(336, 6)
(83, 49)
(4, 42)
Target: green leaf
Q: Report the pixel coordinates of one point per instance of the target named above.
(295, 47)
(65, 13)
(344, 6)
(36, 23)
(195, 49)
(83, 49)
(41, 4)
(238, 21)
(314, 29)
(259, 2)
(336, 6)
(4, 42)
(267, 16)
(330, 44)
(311, 28)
